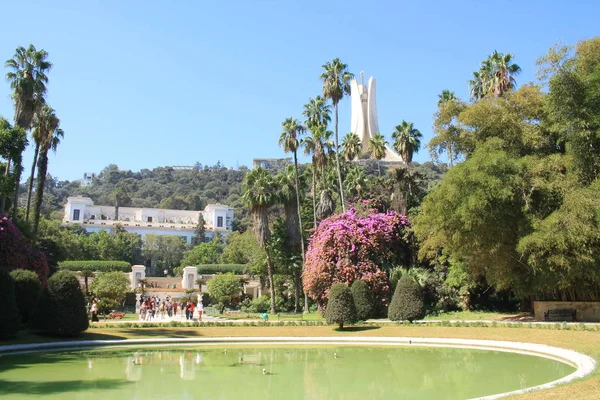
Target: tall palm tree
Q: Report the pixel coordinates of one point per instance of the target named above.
(336, 82)
(259, 195)
(445, 97)
(14, 141)
(316, 112)
(38, 136)
(121, 199)
(27, 77)
(355, 181)
(407, 140)
(352, 146)
(292, 129)
(317, 144)
(49, 123)
(495, 76)
(377, 145)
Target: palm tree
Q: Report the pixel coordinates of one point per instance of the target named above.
(47, 121)
(351, 145)
(355, 181)
(407, 140)
(317, 144)
(317, 112)
(28, 81)
(377, 146)
(14, 142)
(121, 199)
(288, 139)
(495, 76)
(336, 82)
(445, 97)
(259, 195)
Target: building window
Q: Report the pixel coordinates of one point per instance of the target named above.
(149, 219)
(219, 222)
(75, 215)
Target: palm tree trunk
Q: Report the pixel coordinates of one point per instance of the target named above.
(3, 198)
(271, 283)
(314, 189)
(378, 168)
(39, 190)
(30, 190)
(18, 169)
(301, 229)
(337, 159)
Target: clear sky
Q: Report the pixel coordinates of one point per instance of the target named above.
(150, 83)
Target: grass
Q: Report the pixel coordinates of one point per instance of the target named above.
(469, 316)
(587, 342)
(315, 316)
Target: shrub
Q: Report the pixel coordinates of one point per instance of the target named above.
(363, 300)
(28, 290)
(9, 317)
(340, 306)
(261, 304)
(407, 303)
(96, 266)
(111, 288)
(224, 287)
(212, 269)
(61, 309)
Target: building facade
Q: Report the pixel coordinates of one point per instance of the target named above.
(83, 211)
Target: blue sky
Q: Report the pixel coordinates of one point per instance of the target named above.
(148, 83)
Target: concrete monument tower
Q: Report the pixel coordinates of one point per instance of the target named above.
(364, 120)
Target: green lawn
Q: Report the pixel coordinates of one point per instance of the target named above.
(470, 316)
(273, 317)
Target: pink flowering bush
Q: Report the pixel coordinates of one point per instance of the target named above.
(351, 246)
(17, 253)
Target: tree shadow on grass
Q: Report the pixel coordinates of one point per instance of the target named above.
(356, 328)
(41, 388)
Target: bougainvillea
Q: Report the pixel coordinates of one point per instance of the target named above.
(17, 253)
(351, 246)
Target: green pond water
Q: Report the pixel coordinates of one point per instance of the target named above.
(234, 372)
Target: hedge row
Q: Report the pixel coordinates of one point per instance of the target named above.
(209, 269)
(96, 266)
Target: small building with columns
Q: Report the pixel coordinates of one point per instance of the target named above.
(83, 211)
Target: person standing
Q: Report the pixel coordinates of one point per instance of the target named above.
(200, 308)
(94, 311)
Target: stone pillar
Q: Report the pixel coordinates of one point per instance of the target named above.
(137, 272)
(190, 275)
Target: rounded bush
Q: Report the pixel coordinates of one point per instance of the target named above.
(9, 317)
(363, 300)
(407, 303)
(340, 306)
(61, 310)
(28, 290)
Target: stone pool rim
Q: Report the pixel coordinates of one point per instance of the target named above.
(584, 364)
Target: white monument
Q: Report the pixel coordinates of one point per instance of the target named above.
(190, 276)
(364, 120)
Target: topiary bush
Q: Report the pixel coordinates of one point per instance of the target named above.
(61, 310)
(95, 266)
(363, 300)
(28, 290)
(340, 306)
(407, 303)
(9, 317)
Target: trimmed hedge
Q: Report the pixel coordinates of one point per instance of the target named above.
(407, 303)
(61, 310)
(340, 306)
(211, 269)
(9, 317)
(363, 300)
(96, 266)
(28, 290)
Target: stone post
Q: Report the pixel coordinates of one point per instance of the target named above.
(190, 275)
(138, 272)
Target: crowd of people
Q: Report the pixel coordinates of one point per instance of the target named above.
(155, 309)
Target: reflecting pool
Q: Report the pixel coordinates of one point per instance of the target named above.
(267, 372)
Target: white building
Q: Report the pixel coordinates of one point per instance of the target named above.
(81, 210)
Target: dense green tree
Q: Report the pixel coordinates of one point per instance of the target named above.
(336, 83)
(407, 140)
(340, 306)
(242, 248)
(163, 252)
(204, 253)
(13, 141)
(200, 232)
(448, 132)
(9, 318)
(260, 195)
(28, 290)
(407, 302)
(224, 287)
(363, 300)
(122, 199)
(110, 288)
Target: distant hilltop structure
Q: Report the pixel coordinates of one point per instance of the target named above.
(272, 164)
(364, 120)
(88, 179)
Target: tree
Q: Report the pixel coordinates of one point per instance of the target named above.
(163, 252)
(336, 82)
(447, 129)
(317, 112)
(224, 287)
(48, 123)
(86, 273)
(496, 76)
(352, 146)
(363, 300)
(13, 142)
(110, 288)
(407, 303)
(407, 140)
(259, 196)
(377, 146)
(355, 181)
(445, 97)
(200, 232)
(317, 144)
(28, 81)
(122, 199)
(204, 253)
(28, 290)
(289, 141)
(340, 306)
